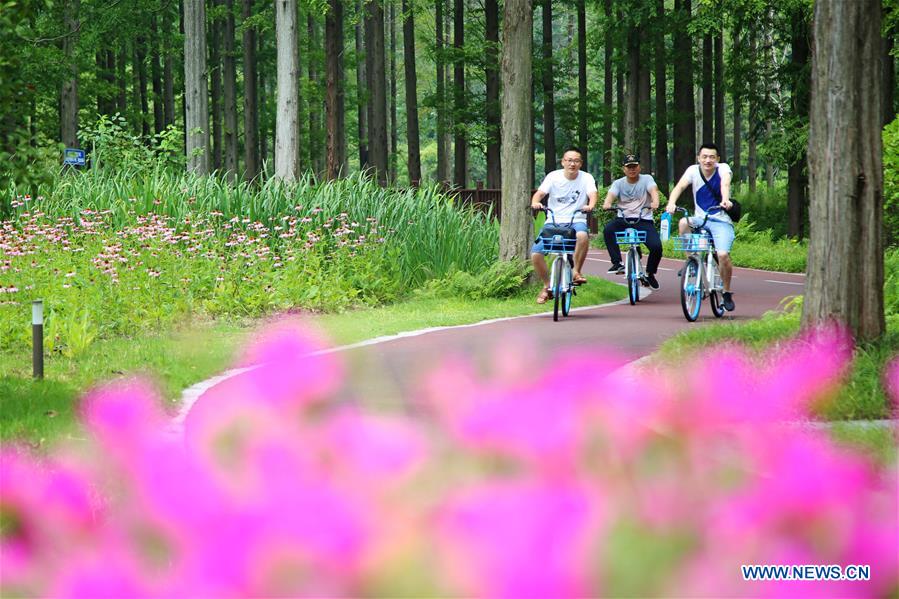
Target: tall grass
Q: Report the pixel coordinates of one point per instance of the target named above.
(428, 234)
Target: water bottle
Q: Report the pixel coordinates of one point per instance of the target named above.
(665, 226)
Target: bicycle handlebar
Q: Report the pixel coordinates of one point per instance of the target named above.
(631, 220)
(549, 211)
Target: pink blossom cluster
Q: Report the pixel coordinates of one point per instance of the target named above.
(520, 483)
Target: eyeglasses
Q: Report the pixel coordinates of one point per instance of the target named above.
(572, 161)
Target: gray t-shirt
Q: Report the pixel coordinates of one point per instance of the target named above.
(634, 196)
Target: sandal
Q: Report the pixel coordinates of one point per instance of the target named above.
(544, 295)
(578, 279)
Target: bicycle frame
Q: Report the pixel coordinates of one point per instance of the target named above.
(701, 278)
(634, 273)
(560, 275)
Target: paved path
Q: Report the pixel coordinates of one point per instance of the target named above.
(386, 373)
(388, 370)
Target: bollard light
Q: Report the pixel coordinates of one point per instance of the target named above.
(37, 338)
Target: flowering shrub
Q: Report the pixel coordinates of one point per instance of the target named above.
(516, 484)
(98, 278)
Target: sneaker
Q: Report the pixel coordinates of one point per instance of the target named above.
(651, 279)
(616, 269)
(728, 301)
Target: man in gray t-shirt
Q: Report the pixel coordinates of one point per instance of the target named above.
(638, 196)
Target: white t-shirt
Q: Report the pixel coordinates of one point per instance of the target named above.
(704, 197)
(567, 196)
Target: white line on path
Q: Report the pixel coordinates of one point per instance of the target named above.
(190, 395)
(783, 282)
(608, 262)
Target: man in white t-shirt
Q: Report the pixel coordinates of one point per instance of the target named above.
(572, 194)
(710, 181)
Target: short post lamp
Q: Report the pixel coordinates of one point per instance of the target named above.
(37, 338)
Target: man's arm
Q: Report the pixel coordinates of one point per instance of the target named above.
(591, 201)
(725, 191)
(610, 197)
(683, 184)
(654, 197)
(535, 200)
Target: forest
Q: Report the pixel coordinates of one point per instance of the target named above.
(411, 90)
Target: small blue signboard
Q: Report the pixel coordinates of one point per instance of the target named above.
(74, 157)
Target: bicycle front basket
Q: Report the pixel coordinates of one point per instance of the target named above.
(630, 237)
(692, 242)
(557, 238)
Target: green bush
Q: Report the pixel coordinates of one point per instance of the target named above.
(891, 182)
(502, 279)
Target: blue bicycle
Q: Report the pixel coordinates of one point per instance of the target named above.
(700, 277)
(559, 241)
(634, 274)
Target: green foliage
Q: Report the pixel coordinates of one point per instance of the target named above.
(762, 249)
(502, 279)
(891, 182)
(113, 148)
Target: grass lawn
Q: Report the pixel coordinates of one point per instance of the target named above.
(38, 412)
(861, 397)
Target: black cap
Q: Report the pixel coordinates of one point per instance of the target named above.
(630, 159)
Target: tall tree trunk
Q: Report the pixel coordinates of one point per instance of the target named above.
(516, 223)
(620, 112)
(461, 143)
(708, 105)
(315, 141)
(196, 90)
(68, 122)
(549, 113)
(632, 97)
(737, 99)
(769, 164)
(121, 79)
(644, 109)
(607, 96)
(494, 168)
(447, 101)
(797, 180)
(106, 96)
(362, 91)
(391, 98)
(215, 72)
(140, 86)
(335, 98)
(719, 94)
(374, 25)
(889, 79)
(752, 161)
(168, 72)
(250, 102)
(662, 176)
(582, 131)
(229, 87)
(684, 116)
(287, 134)
(411, 80)
(442, 148)
(263, 106)
(156, 76)
(846, 169)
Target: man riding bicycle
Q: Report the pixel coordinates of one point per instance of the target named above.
(572, 193)
(635, 192)
(710, 180)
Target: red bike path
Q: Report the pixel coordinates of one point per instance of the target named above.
(388, 372)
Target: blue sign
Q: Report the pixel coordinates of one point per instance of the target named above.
(74, 156)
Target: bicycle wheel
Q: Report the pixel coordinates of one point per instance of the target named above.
(691, 288)
(568, 290)
(631, 276)
(556, 285)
